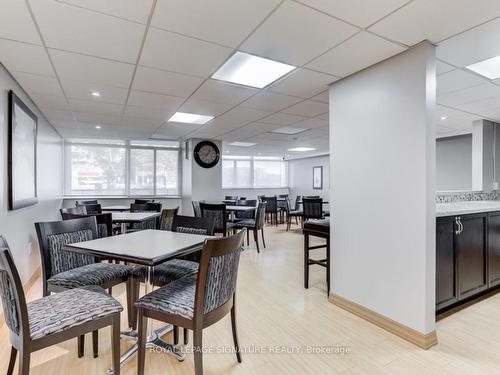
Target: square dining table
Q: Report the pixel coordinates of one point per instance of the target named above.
(234, 209)
(125, 218)
(116, 208)
(147, 248)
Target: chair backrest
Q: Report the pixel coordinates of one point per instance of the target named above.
(193, 225)
(231, 198)
(218, 213)
(52, 236)
(260, 216)
(260, 197)
(282, 203)
(78, 210)
(313, 208)
(298, 198)
(83, 203)
(104, 222)
(166, 218)
(93, 209)
(271, 204)
(196, 208)
(243, 198)
(143, 201)
(312, 196)
(145, 207)
(11, 293)
(217, 274)
(246, 214)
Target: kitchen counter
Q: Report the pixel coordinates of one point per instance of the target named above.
(463, 208)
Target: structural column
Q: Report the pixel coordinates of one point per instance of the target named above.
(382, 147)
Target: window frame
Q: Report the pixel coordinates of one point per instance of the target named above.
(128, 146)
(252, 160)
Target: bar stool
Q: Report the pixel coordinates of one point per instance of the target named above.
(317, 228)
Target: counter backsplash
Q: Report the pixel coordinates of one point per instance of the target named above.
(467, 196)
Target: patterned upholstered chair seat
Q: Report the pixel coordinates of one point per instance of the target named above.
(62, 311)
(170, 271)
(176, 298)
(246, 223)
(90, 274)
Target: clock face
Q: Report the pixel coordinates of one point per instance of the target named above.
(206, 154)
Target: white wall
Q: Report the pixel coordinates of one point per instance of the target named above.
(454, 163)
(383, 163)
(18, 226)
(301, 176)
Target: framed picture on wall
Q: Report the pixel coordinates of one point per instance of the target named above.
(317, 177)
(23, 125)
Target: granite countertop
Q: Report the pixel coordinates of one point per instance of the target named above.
(463, 208)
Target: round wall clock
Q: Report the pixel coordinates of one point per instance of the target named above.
(206, 154)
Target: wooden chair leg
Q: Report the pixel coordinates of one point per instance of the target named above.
(95, 343)
(198, 351)
(235, 333)
(12, 361)
(186, 336)
(141, 342)
(115, 345)
(176, 335)
(248, 239)
(24, 362)
(110, 291)
(256, 238)
(81, 345)
(306, 261)
(130, 301)
(263, 240)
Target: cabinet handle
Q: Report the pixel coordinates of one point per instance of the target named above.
(461, 225)
(457, 222)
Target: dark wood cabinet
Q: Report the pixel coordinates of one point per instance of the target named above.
(494, 249)
(446, 291)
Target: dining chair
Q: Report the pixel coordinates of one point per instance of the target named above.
(282, 205)
(198, 301)
(50, 320)
(78, 210)
(93, 208)
(63, 270)
(296, 212)
(104, 221)
(313, 208)
(83, 203)
(271, 208)
(143, 201)
(256, 224)
(232, 198)
(219, 213)
(146, 207)
(166, 218)
(243, 215)
(196, 208)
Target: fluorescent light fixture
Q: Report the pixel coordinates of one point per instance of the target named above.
(288, 130)
(190, 118)
(249, 70)
(443, 118)
(242, 144)
(96, 93)
(488, 68)
(98, 126)
(301, 149)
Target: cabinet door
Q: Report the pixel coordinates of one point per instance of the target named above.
(494, 249)
(470, 247)
(446, 291)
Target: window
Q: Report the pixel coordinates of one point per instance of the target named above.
(135, 168)
(254, 172)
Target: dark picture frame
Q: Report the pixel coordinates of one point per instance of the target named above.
(22, 139)
(318, 178)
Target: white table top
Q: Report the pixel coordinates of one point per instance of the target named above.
(240, 208)
(116, 208)
(133, 217)
(148, 247)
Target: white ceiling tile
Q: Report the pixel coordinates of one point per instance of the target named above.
(204, 107)
(98, 118)
(324, 116)
(312, 123)
(161, 82)
(37, 84)
(307, 108)
(456, 80)
(359, 12)
(246, 114)
(477, 44)
(182, 54)
(435, 20)
(470, 94)
(82, 90)
(281, 119)
(455, 118)
(77, 67)
(303, 83)
(141, 123)
(58, 115)
(175, 130)
(44, 101)
(157, 101)
(80, 30)
(222, 92)
(135, 10)
(227, 22)
(96, 107)
(269, 101)
(295, 34)
(16, 22)
(147, 113)
(442, 67)
(359, 52)
(324, 97)
(482, 105)
(249, 130)
(24, 57)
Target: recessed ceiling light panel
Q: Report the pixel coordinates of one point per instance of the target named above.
(242, 144)
(249, 70)
(301, 149)
(488, 68)
(288, 130)
(190, 118)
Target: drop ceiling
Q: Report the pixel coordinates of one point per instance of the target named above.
(149, 59)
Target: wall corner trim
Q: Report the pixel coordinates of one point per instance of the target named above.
(424, 341)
